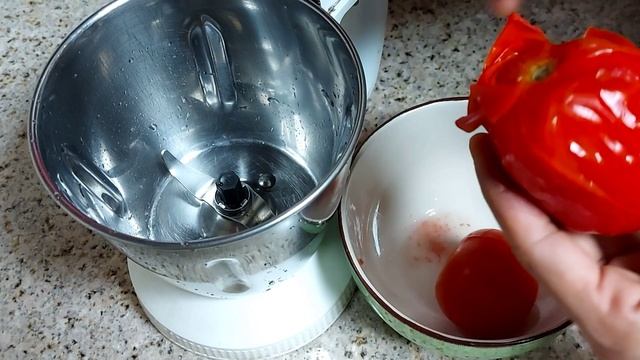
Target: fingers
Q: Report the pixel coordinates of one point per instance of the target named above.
(612, 323)
(528, 221)
(504, 7)
(567, 266)
(519, 218)
(603, 299)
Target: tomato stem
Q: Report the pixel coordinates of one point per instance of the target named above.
(542, 70)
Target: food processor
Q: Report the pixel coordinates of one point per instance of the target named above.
(210, 142)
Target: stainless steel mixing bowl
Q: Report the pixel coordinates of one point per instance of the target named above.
(268, 92)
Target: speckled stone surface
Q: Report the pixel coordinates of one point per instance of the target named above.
(64, 293)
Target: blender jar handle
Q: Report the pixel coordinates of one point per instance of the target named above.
(337, 8)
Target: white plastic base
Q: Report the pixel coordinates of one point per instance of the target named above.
(261, 325)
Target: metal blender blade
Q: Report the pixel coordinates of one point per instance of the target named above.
(204, 188)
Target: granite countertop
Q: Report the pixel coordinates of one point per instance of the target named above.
(65, 293)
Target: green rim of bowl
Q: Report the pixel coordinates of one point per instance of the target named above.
(448, 348)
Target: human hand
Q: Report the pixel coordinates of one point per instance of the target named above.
(504, 7)
(596, 280)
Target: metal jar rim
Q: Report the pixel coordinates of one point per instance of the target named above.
(63, 202)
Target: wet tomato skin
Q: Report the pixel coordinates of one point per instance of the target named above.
(564, 119)
(484, 290)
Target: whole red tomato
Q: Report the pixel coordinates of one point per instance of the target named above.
(484, 290)
(564, 120)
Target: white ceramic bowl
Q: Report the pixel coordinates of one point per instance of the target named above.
(412, 194)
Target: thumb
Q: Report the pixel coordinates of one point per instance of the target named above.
(504, 7)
